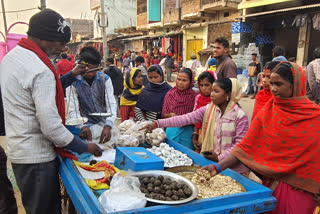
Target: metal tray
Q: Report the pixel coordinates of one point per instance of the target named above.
(76, 121)
(185, 171)
(173, 177)
(102, 114)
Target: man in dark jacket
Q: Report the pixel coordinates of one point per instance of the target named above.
(170, 65)
(116, 78)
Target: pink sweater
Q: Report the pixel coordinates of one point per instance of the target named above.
(230, 128)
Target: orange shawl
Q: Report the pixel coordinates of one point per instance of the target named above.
(283, 141)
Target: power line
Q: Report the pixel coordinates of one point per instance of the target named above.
(17, 11)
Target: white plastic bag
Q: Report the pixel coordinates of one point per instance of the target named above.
(127, 141)
(134, 130)
(96, 131)
(125, 125)
(124, 194)
(156, 137)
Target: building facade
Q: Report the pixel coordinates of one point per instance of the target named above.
(288, 23)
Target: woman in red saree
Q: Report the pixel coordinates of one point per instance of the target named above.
(283, 144)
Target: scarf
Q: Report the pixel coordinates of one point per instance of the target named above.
(203, 100)
(30, 45)
(261, 99)
(152, 96)
(130, 94)
(180, 102)
(283, 140)
(209, 118)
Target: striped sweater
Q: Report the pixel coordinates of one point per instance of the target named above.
(229, 130)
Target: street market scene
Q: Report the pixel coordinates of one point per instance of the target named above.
(160, 106)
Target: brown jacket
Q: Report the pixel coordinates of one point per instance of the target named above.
(226, 68)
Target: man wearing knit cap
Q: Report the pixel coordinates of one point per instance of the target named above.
(35, 113)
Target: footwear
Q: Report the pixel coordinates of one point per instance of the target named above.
(244, 95)
(253, 97)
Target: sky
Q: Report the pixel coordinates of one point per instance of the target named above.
(67, 8)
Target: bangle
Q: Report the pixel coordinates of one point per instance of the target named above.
(195, 133)
(217, 166)
(157, 123)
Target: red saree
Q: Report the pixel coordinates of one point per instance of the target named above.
(261, 99)
(283, 142)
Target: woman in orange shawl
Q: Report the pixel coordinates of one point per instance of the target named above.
(283, 144)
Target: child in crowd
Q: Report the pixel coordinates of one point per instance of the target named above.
(205, 81)
(224, 123)
(133, 85)
(150, 101)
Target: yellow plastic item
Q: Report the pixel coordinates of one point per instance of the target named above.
(108, 169)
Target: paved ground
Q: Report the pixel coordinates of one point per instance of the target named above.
(246, 103)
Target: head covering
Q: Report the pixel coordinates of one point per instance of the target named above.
(170, 54)
(152, 96)
(179, 102)
(212, 61)
(283, 140)
(130, 94)
(49, 25)
(203, 100)
(209, 120)
(163, 54)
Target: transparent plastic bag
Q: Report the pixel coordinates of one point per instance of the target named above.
(96, 131)
(134, 131)
(156, 137)
(124, 194)
(127, 141)
(125, 125)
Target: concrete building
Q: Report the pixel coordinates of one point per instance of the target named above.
(82, 28)
(188, 25)
(289, 23)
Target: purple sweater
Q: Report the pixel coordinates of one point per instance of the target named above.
(229, 130)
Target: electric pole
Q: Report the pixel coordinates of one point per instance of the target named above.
(103, 26)
(4, 17)
(43, 4)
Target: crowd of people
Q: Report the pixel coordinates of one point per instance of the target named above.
(281, 146)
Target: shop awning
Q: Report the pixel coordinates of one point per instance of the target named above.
(137, 38)
(281, 10)
(259, 3)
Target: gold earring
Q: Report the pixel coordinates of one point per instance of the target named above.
(227, 98)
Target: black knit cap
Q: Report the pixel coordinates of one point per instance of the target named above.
(49, 25)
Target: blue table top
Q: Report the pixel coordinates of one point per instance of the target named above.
(256, 199)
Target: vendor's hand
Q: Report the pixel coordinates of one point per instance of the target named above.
(94, 149)
(105, 135)
(213, 156)
(209, 168)
(150, 127)
(78, 70)
(86, 133)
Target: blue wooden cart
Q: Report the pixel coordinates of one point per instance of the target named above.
(256, 199)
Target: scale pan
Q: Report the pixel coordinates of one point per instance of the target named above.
(101, 114)
(76, 121)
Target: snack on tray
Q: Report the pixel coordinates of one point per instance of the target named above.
(164, 189)
(215, 186)
(171, 157)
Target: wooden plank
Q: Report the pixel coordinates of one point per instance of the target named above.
(303, 44)
(259, 3)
